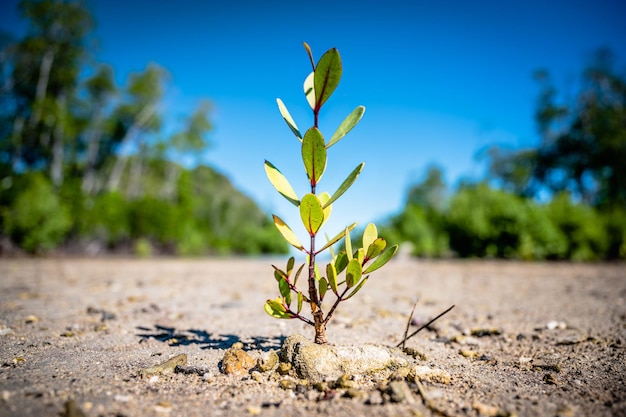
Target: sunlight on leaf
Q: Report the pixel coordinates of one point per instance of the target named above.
(288, 119)
(281, 184)
(287, 233)
(382, 259)
(276, 309)
(376, 248)
(348, 245)
(346, 126)
(369, 235)
(311, 213)
(309, 90)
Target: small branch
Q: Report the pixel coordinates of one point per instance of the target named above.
(424, 326)
(408, 324)
(337, 301)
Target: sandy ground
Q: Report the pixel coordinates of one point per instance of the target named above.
(554, 342)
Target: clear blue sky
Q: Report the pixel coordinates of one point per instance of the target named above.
(440, 81)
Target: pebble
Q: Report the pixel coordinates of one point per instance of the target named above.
(166, 367)
(428, 374)
(399, 392)
(268, 361)
(31, 319)
(471, 354)
(551, 325)
(284, 368)
(345, 381)
(287, 384)
(236, 361)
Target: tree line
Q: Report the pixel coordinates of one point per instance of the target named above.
(85, 164)
(562, 200)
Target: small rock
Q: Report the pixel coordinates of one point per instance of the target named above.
(284, 368)
(287, 384)
(471, 354)
(236, 361)
(355, 393)
(253, 410)
(30, 319)
(323, 362)
(345, 381)
(428, 374)
(164, 368)
(399, 391)
(268, 361)
(551, 325)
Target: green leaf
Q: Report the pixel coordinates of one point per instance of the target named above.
(348, 243)
(295, 280)
(346, 126)
(337, 238)
(281, 184)
(287, 233)
(331, 272)
(285, 291)
(353, 272)
(382, 259)
(288, 119)
(323, 288)
(314, 154)
(360, 255)
(327, 76)
(369, 235)
(341, 262)
(311, 213)
(324, 197)
(356, 289)
(290, 262)
(278, 273)
(375, 248)
(276, 309)
(346, 183)
(309, 90)
(300, 298)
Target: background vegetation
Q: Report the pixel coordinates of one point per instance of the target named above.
(565, 199)
(88, 166)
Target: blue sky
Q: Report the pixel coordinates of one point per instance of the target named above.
(440, 81)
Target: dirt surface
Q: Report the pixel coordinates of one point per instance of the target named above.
(549, 339)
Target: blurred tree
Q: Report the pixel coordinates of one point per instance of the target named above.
(137, 117)
(100, 89)
(583, 146)
(44, 71)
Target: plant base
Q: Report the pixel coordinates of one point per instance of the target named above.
(319, 363)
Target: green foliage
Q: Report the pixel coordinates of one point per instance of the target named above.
(315, 209)
(36, 219)
(104, 163)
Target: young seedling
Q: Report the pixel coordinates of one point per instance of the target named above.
(349, 269)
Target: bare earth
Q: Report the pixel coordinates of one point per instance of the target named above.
(553, 338)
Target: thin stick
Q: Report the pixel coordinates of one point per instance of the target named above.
(408, 323)
(424, 326)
